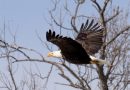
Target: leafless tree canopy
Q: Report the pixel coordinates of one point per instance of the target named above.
(71, 14)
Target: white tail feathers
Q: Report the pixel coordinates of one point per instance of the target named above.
(99, 61)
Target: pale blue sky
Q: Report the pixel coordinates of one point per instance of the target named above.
(28, 16)
(25, 17)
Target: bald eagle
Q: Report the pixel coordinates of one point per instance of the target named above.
(79, 51)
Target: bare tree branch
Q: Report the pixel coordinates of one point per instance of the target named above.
(121, 32)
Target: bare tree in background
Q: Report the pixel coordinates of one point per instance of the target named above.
(115, 49)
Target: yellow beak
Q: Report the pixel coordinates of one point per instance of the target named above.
(49, 54)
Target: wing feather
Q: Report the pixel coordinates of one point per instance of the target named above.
(91, 37)
(63, 43)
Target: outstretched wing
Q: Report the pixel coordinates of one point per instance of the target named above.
(60, 41)
(91, 37)
(67, 45)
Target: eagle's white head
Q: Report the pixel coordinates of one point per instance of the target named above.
(56, 54)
